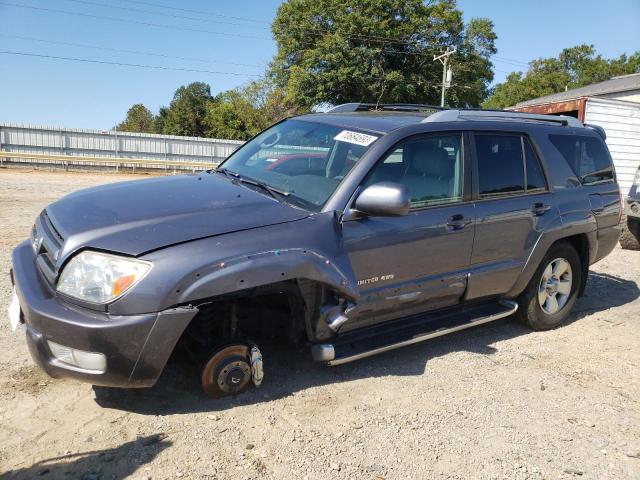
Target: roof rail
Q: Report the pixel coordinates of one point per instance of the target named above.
(399, 107)
(471, 114)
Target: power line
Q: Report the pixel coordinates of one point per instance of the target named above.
(138, 10)
(159, 67)
(510, 60)
(151, 4)
(134, 22)
(375, 38)
(123, 64)
(136, 52)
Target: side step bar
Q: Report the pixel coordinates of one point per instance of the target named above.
(355, 345)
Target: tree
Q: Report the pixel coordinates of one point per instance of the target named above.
(139, 119)
(241, 113)
(161, 119)
(573, 68)
(187, 110)
(232, 116)
(340, 51)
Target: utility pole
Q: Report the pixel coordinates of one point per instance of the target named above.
(446, 71)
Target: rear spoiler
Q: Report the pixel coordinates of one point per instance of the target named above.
(598, 129)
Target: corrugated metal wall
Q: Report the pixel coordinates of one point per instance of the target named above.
(96, 143)
(621, 121)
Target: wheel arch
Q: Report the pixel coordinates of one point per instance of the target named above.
(582, 237)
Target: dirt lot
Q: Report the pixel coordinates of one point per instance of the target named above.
(498, 401)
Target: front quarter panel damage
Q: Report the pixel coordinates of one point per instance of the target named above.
(310, 249)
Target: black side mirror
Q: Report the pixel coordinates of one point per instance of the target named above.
(384, 199)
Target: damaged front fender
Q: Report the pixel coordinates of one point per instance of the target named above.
(309, 249)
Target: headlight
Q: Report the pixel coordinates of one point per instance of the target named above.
(99, 277)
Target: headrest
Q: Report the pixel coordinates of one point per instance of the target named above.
(427, 159)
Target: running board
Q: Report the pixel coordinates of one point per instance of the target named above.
(358, 344)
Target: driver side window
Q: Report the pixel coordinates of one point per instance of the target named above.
(430, 168)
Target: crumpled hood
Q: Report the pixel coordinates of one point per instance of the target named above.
(143, 215)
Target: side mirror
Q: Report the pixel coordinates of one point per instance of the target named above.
(385, 199)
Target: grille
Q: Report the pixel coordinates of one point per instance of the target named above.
(46, 242)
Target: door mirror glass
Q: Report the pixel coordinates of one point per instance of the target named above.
(384, 199)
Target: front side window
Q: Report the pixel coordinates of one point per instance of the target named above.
(430, 168)
(587, 157)
(304, 161)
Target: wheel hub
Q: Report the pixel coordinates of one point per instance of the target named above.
(233, 376)
(555, 286)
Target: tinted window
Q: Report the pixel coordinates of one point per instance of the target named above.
(535, 176)
(587, 157)
(500, 164)
(431, 168)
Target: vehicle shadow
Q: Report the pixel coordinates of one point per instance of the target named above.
(115, 463)
(604, 292)
(288, 370)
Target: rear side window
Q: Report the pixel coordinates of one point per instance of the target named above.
(535, 176)
(507, 165)
(587, 157)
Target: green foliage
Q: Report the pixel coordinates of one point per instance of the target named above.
(139, 119)
(187, 110)
(337, 51)
(574, 67)
(242, 113)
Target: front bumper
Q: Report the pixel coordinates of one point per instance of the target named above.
(136, 346)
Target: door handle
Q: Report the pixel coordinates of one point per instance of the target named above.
(540, 208)
(458, 222)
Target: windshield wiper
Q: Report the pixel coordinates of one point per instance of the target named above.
(267, 188)
(227, 172)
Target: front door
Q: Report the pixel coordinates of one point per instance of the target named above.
(405, 265)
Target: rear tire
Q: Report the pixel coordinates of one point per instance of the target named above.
(630, 235)
(553, 289)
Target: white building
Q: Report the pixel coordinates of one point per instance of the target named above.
(614, 105)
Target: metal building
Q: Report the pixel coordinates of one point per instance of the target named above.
(38, 144)
(614, 105)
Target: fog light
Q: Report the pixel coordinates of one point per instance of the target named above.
(96, 362)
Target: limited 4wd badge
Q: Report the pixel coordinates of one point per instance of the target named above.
(382, 278)
(355, 138)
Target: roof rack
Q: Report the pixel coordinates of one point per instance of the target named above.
(441, 114)
(476, 114)
(398, 107)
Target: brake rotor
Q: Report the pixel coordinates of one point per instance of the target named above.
(227, 372)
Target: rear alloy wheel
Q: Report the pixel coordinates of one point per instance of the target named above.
(555, 286)
(553, 290)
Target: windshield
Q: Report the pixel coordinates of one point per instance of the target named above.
(302, 162)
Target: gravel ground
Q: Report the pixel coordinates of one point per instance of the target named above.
(497, 401)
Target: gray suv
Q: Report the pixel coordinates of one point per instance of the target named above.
(353, 232)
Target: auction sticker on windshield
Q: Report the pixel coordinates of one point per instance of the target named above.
(356, 138)
(14, 312)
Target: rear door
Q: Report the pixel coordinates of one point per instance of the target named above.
(512, 204)
(418, 262)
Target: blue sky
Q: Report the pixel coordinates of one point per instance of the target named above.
(83, 95)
